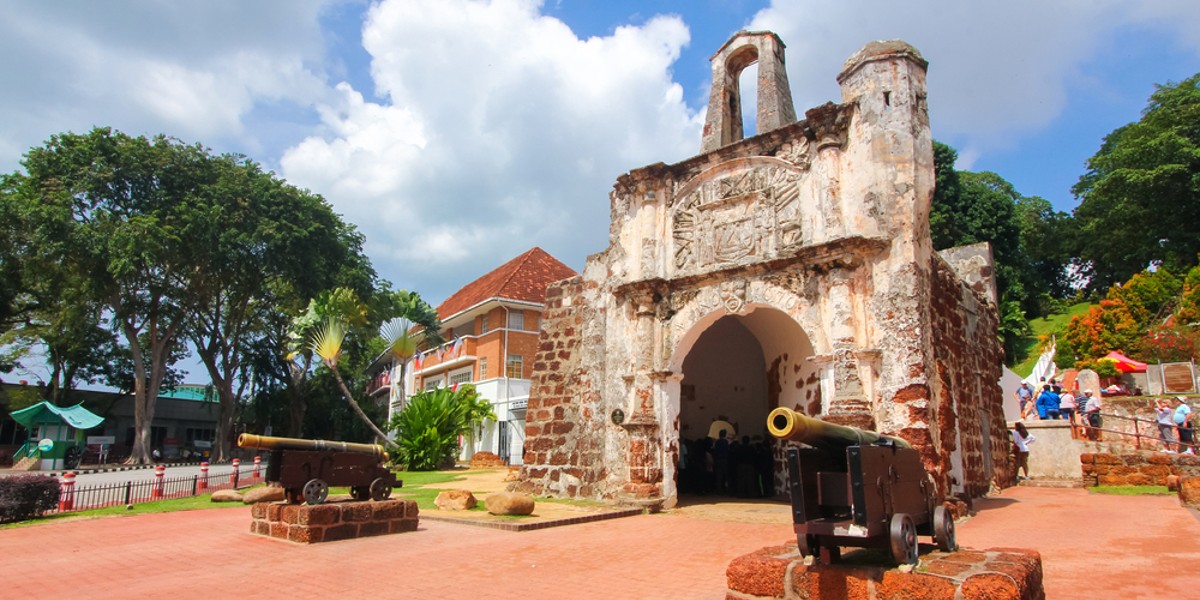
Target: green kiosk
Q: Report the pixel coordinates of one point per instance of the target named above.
(56, 434)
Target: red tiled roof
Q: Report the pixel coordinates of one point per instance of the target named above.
(522, 278)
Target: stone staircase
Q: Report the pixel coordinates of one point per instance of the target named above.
(29, 463)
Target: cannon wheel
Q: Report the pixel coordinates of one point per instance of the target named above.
(380, 489)
(943, 529)
(315, 491)
(73, 457)
(903, 538)
(360, 492)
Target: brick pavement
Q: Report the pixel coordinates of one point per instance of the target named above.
(1092, 546)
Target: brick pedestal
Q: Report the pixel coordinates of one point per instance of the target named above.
(778, 572)
(306, 524)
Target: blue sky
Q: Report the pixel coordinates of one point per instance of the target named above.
(456, 134)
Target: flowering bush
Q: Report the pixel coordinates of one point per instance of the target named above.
(1167, 343)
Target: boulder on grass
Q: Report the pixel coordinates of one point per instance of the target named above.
(509, 503)
(486, 460)
(268, 493)
(226, 496)
(455, 500)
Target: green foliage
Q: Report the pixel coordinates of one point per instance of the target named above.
(1149, 296)
(27, 496)
(428, 427)
(1103, 328)
(1026, 236)
(1139, 200)
(1169, 343)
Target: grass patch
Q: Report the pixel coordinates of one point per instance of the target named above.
(1045, 326)
(1132, 490)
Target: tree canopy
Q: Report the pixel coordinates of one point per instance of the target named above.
(1139, 201)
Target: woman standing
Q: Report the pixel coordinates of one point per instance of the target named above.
(1021, 441)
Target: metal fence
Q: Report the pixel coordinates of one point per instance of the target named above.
(76, 497)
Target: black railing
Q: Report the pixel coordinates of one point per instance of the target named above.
(86, 497)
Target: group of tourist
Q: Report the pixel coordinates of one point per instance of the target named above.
(1053, 402)
(1176, 425)
(727, 466)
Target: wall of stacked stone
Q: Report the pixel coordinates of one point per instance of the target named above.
(306, 524)
(779, 573)
(1136, 468)
(967, 397)
(562, 442)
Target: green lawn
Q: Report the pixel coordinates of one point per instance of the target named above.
(1045, 326)
(1132, 490)
(421, 486)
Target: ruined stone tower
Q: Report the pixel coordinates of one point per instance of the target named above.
(793, 268)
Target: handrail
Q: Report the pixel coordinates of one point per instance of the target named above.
(24, 451)
(1137, 434)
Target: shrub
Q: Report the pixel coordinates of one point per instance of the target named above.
(25, 497)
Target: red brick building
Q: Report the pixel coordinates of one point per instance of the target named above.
(491, 326)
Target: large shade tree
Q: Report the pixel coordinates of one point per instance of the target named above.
(110, 212)
(1139, 201)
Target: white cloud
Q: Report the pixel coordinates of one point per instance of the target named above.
(499, 129)
(193, 70)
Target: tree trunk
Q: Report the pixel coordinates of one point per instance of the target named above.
(358, 409)
(296, 403)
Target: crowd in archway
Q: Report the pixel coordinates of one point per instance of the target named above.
(727, 466)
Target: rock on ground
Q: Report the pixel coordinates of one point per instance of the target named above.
(226, 496)
(509, 503)
(269, 493)
(455, 500)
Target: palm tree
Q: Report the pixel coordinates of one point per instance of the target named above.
(327, 343)
(418, 323)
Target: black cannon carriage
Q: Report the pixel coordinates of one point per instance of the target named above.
(857, 488)
(306, 468)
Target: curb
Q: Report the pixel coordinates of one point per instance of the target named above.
(539, 525)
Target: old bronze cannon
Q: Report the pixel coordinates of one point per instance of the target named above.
(306, 468)
(856, 488)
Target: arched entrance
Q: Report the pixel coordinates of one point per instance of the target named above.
(735, 369)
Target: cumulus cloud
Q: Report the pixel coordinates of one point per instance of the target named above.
(193, 70)
(497, 129)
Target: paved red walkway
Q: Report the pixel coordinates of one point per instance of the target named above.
(1093, 546)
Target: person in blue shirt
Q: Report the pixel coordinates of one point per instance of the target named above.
(1047, 404)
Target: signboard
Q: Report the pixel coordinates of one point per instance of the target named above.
(46, 445)
(202, 444)
(96, 440)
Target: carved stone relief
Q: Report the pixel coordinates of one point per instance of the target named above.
(747, 215)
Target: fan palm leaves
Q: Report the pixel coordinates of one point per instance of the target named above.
(326, 342)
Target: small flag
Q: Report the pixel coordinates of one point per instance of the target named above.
(457, 347)
(417, 360)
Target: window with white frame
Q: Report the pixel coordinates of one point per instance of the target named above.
(460, 377)
(483, 324)
(432, 383)
(516, 320)
(515, 367)
(483, 368)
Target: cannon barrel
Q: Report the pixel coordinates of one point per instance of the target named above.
(266, 442)
(787, 424)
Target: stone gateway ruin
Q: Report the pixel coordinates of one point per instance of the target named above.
(793, 268)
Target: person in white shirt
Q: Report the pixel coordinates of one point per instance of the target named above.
(1166, 425)
(1021, 441)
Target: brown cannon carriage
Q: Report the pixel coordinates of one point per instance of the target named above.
(306, 469)
(856, 488)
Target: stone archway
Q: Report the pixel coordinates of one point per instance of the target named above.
(737, 368)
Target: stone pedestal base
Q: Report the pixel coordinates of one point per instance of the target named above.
(778, 572)
(306, 524)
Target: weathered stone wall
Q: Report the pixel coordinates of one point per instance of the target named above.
(564, 435)
(1136, 468)
(969, 442)
(815, 236)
